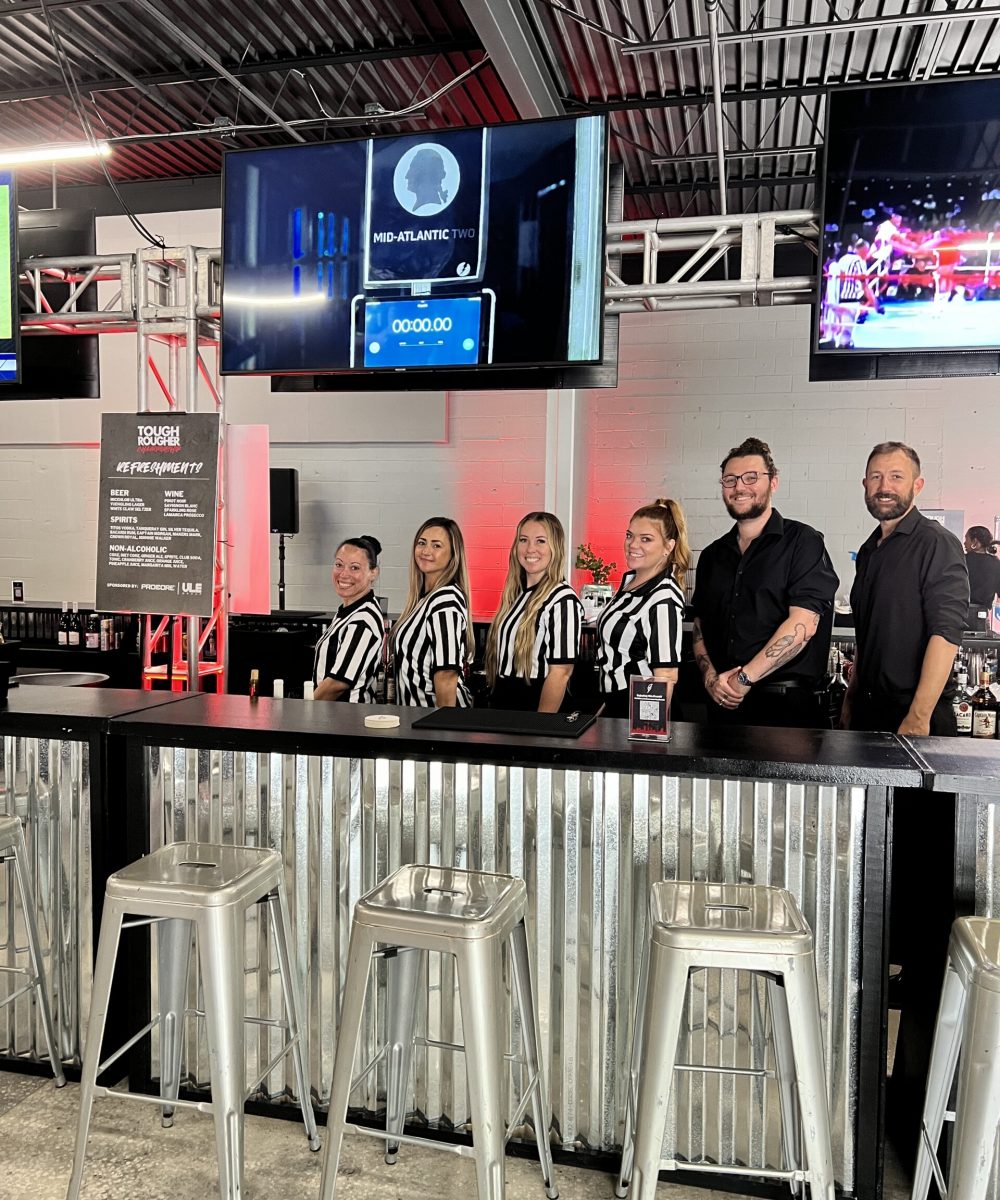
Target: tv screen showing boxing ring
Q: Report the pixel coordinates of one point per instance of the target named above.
(910, 245)
(471, 248)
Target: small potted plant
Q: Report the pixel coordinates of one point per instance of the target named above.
(598, 592)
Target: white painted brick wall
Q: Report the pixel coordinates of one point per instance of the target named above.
(694, 384)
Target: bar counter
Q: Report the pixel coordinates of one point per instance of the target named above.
(54, 776)
(590, 824)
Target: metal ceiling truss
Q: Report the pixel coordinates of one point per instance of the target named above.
(706, 242)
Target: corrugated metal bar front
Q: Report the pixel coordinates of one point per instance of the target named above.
(46, 782)
(987, 898)
(589, 845)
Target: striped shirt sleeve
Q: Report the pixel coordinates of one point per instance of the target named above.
(448, 624)
(356, 655)
(563, 628)
(664, 635)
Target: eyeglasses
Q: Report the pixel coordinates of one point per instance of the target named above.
(748, 477)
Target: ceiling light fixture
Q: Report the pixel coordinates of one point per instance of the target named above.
(44, 154)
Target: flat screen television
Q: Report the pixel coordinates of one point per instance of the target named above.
(910, 244)
(10, 326)
(471, 249)
(57, 366)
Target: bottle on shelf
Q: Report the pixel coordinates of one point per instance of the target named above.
(984, 709)
(837, 689)
(74, 636)
(254, 679)
(62, 631)
(963, 713)
(390, 681)
(92, 636)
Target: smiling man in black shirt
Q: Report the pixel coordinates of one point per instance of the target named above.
(763, 604)
(910, 598)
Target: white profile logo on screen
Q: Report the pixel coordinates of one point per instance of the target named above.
(426, 179)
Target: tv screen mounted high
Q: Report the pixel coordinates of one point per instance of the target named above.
(57, 366)
(10, 325)
(476, 249)
(910, 245)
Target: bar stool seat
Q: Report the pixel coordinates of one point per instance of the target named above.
(745, 927)
(966, 1039)
(471, 915)
(208, 889)
(13, 851)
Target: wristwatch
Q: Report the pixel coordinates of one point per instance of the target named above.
(743, 679)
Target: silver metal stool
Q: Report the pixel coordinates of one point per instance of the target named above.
(210, 888)
(12, 850)
(968, 1025)
(470, 915)
(749, 928)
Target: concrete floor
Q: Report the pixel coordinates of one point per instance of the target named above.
(130, 1157)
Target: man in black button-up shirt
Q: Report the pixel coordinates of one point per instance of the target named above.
(763, 593)
(910, 598)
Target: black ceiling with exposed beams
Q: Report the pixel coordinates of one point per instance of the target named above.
(146, 76)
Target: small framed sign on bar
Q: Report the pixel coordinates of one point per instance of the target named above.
(649, 709)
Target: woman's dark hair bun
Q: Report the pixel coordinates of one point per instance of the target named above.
(376, 545)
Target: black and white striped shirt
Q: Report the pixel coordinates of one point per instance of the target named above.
(350, 649)
(639, 631)
(431, 639)
(557, 633)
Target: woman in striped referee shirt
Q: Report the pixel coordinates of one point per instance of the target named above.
(432, 640)
(347, 655)
(535, 637)
(639, 632)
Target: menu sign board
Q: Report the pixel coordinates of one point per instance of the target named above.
(157, 516)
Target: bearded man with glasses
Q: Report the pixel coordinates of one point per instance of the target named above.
(763, 605)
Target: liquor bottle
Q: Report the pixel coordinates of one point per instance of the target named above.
(390, 681)
(984, 709)
(837, 690)
(254, 678)
(92, 638)
(73, 638)
(963, 713)
(62, 631)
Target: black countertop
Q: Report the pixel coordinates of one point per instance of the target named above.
(311, 727)
(78, 711)
(958, 764)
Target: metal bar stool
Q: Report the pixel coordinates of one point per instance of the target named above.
(968, 1026)
(210, 888)
(470, 915)
(12, 850)
(749, 928)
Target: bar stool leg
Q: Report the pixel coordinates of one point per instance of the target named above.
(34, 948)
(479, 962)
(978, 1109)
(667, 983)
(628, 1140)
(403, 978)
(784, 1070)
(940, 1075)
(521, 968)
(173, 966)
(104, 969)
(802, 997)
(220, 947)
(277, 907)
(359, 958)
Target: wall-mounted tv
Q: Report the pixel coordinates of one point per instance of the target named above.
(472, 248)
(10, 325)
(910, 245)
(57, 366)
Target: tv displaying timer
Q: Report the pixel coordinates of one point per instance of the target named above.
(910, 242)
(471, 248)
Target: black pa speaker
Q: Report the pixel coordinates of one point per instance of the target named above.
(284, 500)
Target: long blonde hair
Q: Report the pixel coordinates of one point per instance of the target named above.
(456, 572)
(513, 589)
(668, 516)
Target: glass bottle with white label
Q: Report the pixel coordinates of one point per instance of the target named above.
(984, 709)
